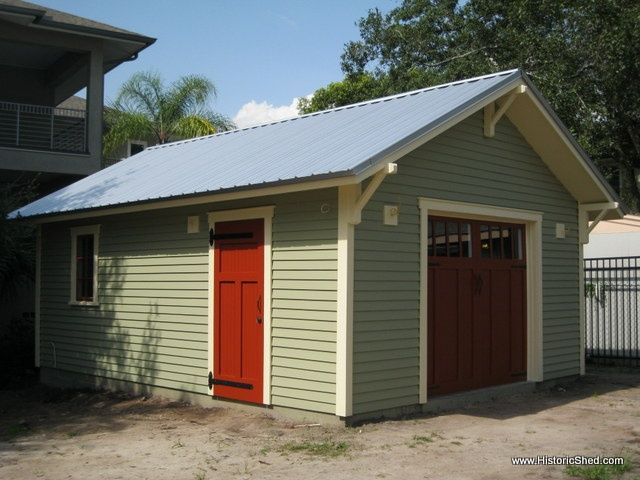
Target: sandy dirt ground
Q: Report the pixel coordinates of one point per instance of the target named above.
(53, 434)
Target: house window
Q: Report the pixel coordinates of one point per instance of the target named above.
(84, 265)
(136, 146)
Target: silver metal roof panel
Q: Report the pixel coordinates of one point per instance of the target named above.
(338, 142)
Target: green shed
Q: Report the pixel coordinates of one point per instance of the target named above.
(356, 262)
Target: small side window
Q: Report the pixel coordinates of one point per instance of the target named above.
(136, 146)
(84, 265)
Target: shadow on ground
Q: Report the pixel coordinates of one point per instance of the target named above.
(38, 410)
(598, 381)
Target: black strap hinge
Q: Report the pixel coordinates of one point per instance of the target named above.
(228, 383)
(227, 236)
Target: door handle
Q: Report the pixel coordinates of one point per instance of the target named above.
(259, 320)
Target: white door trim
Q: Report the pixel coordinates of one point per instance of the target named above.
(533, 239)
(266, 213)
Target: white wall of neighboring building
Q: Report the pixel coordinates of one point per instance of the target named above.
(615, 238)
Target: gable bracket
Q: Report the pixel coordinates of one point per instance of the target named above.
(491, 116)
(361, 202)
(583, 217)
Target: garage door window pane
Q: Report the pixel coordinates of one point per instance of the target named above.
(496, 242)
(518, 243)
(465, 237)
(453, 239)
(440, 239)
(507, 237)
(485, 242)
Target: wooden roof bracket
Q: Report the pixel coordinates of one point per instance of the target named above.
(584, 227)
(491, 116)
(376, 180)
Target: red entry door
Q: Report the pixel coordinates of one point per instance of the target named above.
(238, 310)
(476, 304)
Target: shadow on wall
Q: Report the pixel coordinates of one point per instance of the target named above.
(109, 343)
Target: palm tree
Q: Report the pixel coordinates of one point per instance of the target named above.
(146, 108)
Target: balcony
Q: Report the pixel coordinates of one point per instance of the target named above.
(37, 127)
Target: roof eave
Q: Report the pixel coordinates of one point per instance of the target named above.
(39, 19)
(315, 182)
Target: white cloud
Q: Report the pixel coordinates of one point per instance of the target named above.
(254, 113)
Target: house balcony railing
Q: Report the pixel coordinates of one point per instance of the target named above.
(42, 128)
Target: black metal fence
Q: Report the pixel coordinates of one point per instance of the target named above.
(612, 310)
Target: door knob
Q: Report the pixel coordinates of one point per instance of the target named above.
(259, 320)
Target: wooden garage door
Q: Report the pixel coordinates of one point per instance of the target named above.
(476, 304)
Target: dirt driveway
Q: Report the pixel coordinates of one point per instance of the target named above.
(75, 435)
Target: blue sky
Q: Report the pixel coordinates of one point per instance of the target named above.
(265, 51)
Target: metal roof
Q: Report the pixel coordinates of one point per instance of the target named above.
(343, 141)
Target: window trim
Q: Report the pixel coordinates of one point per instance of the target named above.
(75, 232)
(137, 142)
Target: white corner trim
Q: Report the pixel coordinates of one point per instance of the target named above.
(38, 286)
(347, 196)
(533, 245)
(266, 213)
(85, 230)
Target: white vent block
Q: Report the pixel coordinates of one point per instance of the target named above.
(193, 224)
(390, 214)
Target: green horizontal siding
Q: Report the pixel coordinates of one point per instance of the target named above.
(151, 324)
(459, 165)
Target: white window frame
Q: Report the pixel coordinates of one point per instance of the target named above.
(137, 142)
(75, 232)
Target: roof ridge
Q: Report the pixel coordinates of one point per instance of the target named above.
(342, 107)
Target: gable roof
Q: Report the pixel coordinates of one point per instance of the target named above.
(346, 143)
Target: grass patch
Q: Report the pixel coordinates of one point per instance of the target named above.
(598, 472)
(327, 448)
(425, 439)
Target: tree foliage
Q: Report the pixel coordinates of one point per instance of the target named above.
(582, 54)
(17, 239)
(146, 108)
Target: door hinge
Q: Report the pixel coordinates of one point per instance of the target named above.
(228, 383)
(227, 236)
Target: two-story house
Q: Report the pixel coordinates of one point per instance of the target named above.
(46, 56)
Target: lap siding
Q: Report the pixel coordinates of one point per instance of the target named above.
(459, 165)
(151, 326)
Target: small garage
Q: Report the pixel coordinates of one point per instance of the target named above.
(347, 264)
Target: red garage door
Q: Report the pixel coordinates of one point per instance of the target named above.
(476, 298)
(238, 302)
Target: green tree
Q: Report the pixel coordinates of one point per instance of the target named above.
(582, 54)
(17, 239)
(148, 108)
